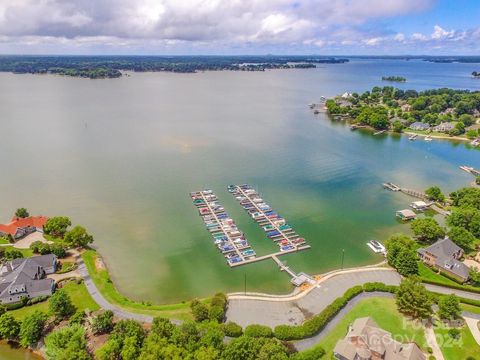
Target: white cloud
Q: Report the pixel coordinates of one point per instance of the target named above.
(160, 26)
(439, 33)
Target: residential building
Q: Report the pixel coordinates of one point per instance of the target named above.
(25, 278)
(419, 126)
(444, 127)
(444, 256)
(21, 227)
(365, 340)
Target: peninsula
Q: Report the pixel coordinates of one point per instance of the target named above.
(101, 67)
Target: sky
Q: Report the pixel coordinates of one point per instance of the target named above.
(216, 27)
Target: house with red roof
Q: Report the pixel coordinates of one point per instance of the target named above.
(21, 227)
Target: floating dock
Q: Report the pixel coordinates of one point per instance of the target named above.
(227, 237)
(273, 224)
(470, 170)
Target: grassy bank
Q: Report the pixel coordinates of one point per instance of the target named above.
(106, 287)
(385, 313)
(78, 293)
(462, 348)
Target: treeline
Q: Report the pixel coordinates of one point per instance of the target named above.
(390, 107)
(96, 67)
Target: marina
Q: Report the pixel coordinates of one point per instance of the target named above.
(273, 224)
(229, 240)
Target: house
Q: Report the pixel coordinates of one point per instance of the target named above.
(365, 340)
(21, 227)
(25, 278)
(406, 214)
(444, 127)
(419, 126)
(406, 107)
(444, 256)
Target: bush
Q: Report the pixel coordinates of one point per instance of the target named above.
(314, 353)
(199, 310)
(216, 313)
(103, 323)
(454, 333)
(258, 331)
(232, 329)
(77, 318)
(378, 286)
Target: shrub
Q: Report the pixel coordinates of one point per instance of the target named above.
(314, 353)
(103, 323)
(454, 333)
(258, 331)
(199, 310)
(232, 329)
(216, 313)
(77, 318)
(61, 305)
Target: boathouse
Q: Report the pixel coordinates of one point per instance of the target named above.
(406, 214)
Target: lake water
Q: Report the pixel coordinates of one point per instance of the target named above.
(120, 157)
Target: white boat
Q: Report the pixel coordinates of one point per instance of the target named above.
(377, 247)
(428, 138)
(475, 142)
(412, 137)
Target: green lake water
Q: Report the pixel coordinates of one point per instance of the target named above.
(120, 157)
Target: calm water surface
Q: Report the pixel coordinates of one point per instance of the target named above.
(120, 157)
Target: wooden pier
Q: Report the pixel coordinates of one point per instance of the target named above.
(274, 257)
(470, 170)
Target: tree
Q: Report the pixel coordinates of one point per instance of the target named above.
(57, 226)
(103, 323)
(435, 194)
(22, 213)
(462, 237)
(199, 310)
(78, 236)
(474, 275)
(466, 197)
(58, 250)
(413, 299)
(130, 348)
(427, 229)
(67, 343)
(396, 244)
(467, 217)
(12, 254)
(9, 327)
(397, 127)
(407, 262)
(61, 305)
(162, 327)
(449, 307)
(31, 328)
(466, 119)
(244, 347)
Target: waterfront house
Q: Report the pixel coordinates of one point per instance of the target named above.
(25, 278)
(419, 205)
(21, 227)
(444, 256)
(365, 340)
(419, 126)
(406, 214)
(444, 127)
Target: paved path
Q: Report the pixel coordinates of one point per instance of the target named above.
(473, 326)
(447, 291)
(432, 342)
(102, 302)
(304, 344)
(293, 311)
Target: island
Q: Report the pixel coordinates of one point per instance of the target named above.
(394, 78)
(103, 67)
(437, 112)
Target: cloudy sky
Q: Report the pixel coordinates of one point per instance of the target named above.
(240, 27)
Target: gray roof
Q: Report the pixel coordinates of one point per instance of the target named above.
(23, 277)
(365, 336)
(419, 124)
(447, 252)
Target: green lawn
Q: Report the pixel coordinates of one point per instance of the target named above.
(4, 240)
(78, 293)
(384, 312)
(108, 290)
(428, 274)
(457, 349)
(471, 308)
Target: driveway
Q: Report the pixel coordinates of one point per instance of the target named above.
(25, 242)
(293, 312)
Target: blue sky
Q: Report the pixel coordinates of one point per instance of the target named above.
(328, 27)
